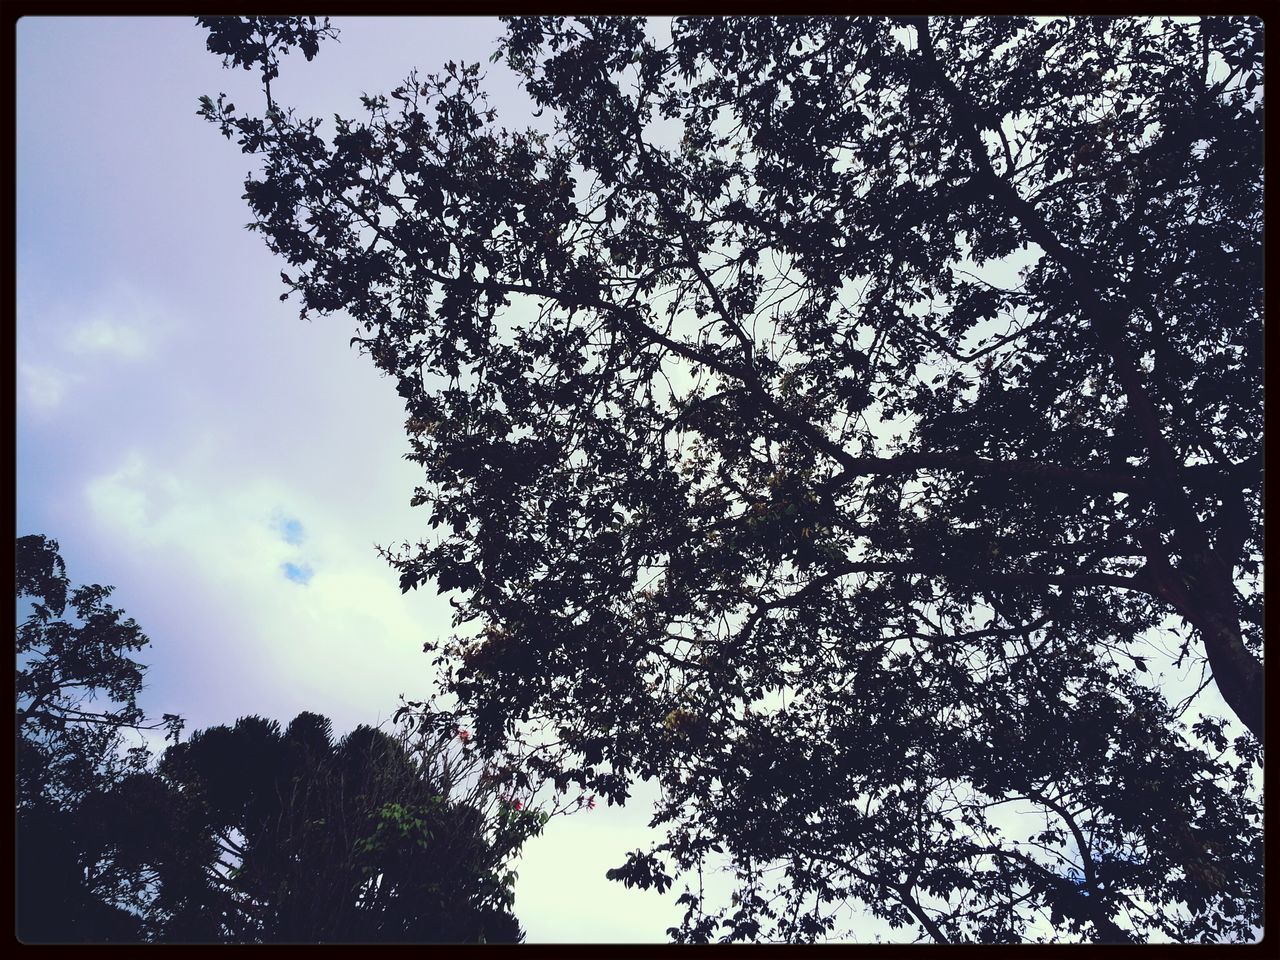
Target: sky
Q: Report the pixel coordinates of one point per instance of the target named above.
(227, 466)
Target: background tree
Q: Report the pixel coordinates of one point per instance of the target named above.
(291, 836)
(76, 691)
(823, 418)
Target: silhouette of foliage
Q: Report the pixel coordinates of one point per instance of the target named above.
(76, 692)
(245, 833)
(829, 418)
(76, 686)
(250, 42)
(288, 836)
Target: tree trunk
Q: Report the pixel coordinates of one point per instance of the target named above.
(1237, 672)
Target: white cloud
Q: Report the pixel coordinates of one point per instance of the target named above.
(108, 334)
(63, 344)
(116, 320)
(117, 497)
(120, 321)
(43, 386)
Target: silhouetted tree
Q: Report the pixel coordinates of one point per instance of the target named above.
(76, 690)
(821, 417)
(244, 833)
(293, 837)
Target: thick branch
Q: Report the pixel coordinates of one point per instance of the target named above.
(1238, 672)
(1087, 907)
(1105, 480)
(991, 578)
(910, 902)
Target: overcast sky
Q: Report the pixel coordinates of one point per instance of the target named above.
(184, 436)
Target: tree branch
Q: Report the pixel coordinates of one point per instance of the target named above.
(1238, 672)
(1104, 480)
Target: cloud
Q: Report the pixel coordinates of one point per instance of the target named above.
(561, 893)
(215, 589)
(116, 321)
(63, 343)
(119, 321)
(120, 496)
(109, 334)
(298, 574)
(43, 386)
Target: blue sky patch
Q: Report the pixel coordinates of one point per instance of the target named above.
(290, 530)
(297, 573)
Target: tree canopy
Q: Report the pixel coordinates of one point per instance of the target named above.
(835, 420)
(76, 690)
(290, 836)
(76, 686)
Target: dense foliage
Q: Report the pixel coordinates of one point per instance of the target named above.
(245, 833)
(76, 690)
(271, 836)
(831, 418)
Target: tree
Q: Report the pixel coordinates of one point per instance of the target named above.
(76, 694)
(270, 836)
(828, 418)
(250, 834)
(244, 833)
